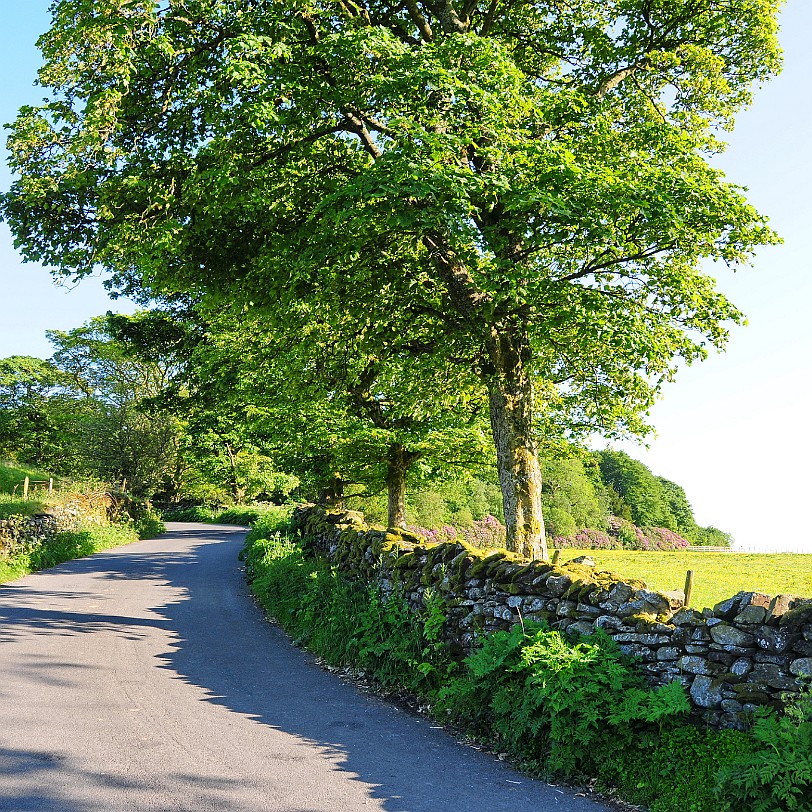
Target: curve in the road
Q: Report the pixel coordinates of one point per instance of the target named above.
(145, 678)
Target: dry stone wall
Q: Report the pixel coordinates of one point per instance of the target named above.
(23, 534)
(749, 651)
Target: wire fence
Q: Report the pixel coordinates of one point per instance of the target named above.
(28, 485)
(775, 547)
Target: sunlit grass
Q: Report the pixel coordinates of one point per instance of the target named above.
(716, 575)
(65, 547)
(12, 476)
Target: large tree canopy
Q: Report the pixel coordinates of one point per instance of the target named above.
(530, 177)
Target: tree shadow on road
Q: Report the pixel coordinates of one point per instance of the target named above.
(221, 644)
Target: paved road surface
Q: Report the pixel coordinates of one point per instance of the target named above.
(144, 678)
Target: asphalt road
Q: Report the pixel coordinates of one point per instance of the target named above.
(144, 678)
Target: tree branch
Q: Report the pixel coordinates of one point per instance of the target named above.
(419, 20)
(449, 19)
(356, 10)
(616, 78)
(359, 128)
(465, 296)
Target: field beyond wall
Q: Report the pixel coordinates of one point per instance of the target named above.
(716, 575)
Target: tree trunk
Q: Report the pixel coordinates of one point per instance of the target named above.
(233, 482)
(511, 407)
(399, 461)
(333, 493)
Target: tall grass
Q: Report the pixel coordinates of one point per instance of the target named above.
(65, 547)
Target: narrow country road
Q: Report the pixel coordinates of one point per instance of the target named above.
(144, 678)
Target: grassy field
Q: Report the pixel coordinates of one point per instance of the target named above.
(716, 575)
(11, 475)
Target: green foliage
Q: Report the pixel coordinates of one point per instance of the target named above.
(570, 497)
(553, 702)
(270, 522)
(190, 513)
(559, 521)
(345, 623)
(262, 515)
(639, 488)
(65, 547)
(674, 771)
(149, 526)
(711, 537)
(777, 775)
(35, 410)
(458, 500)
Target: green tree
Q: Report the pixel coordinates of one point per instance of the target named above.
(680, 508)
(123, 438)
(362, 416)
(535, 173)
(569, 497)
(36, 411)
(647, 499)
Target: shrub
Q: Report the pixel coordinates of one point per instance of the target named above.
(663, 539)
(345, 623)
(238, 514)
(437, 535)
(270, 523)
(776, 776)
(485, 533)
(552, 702)
(559, 522)
(622, 535)
(188, 513)
(149, 525)
(587, 539)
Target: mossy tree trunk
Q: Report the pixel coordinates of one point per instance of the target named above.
(511, 411)
(399, 461)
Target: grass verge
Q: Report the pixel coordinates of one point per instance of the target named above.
(65, 547)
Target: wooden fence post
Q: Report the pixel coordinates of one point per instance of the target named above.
(556, 556)
(51, 485)
(689, 586)
(25, 489)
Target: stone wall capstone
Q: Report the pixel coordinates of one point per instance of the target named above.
(749, 651)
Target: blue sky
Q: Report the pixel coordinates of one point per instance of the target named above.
(735, 431)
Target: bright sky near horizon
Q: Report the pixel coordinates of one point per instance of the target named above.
(734, 431)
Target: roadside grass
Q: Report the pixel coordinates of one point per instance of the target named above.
(12, 474)
(717, 576)
(14, 506)
(272, 517)
(65, 547)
